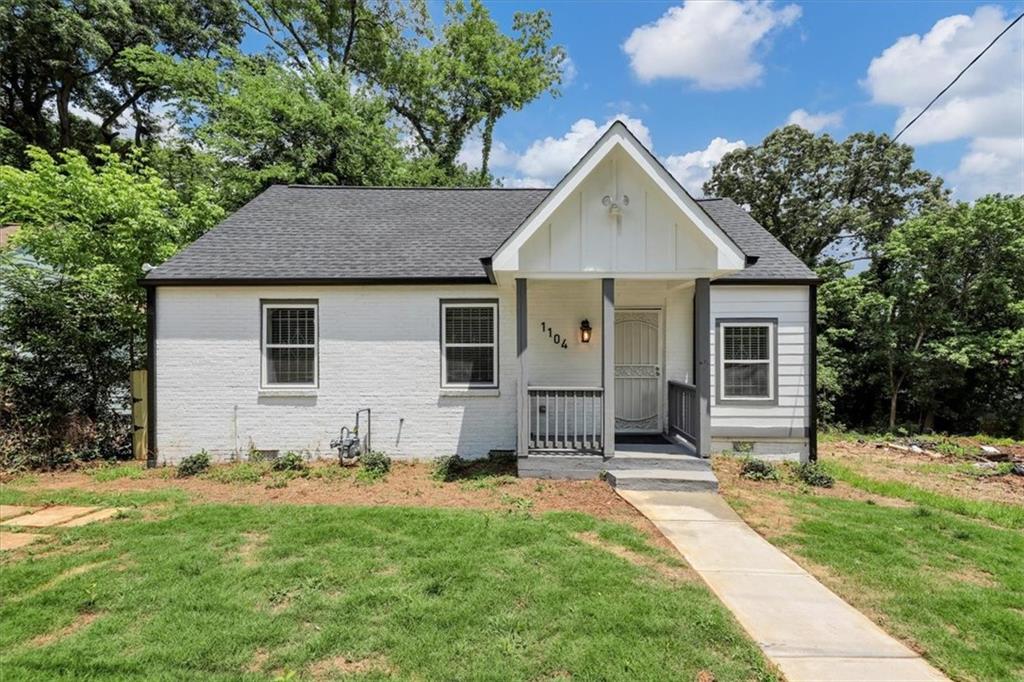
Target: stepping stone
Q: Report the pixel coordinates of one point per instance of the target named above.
(10, 541)
(9, 511)
(51, 516)
(90, 518)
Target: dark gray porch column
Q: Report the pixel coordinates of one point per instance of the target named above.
(523, 396)
(608, 363)
(702, 363)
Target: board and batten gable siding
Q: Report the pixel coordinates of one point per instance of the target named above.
(782, 424)
(379, 347)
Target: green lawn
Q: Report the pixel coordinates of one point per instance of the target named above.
(274, 591)
(944, 573)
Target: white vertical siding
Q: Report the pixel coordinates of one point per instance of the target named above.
(789, 305)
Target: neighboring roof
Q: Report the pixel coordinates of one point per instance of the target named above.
(314, 233)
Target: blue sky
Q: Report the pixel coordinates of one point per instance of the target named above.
(687, 74)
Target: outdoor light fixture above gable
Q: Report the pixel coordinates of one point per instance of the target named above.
(615, 207)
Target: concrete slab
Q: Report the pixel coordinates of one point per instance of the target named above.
(660, 505)
(10, 541)
(726, 546)
(859, 669)
(801, 625)
(91, 518)
(795, 615)
(9, 511)
(51, 516)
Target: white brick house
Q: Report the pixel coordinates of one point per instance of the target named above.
(472, 320)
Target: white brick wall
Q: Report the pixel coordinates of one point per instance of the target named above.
(379, 348)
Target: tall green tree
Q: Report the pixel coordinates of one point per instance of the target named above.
(826, 199)
(101, 222)
(469, 76)
(78, 59)
(938, 317)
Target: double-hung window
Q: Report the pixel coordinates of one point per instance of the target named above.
(289, 344)
(469, 344)
(747, 360)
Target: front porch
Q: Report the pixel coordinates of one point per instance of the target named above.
(627, 392)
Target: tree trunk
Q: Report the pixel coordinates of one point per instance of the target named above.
(892, 410)
(488, 138)
(64, 115)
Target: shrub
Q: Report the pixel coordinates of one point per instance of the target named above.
(758, 470)
(290, 461)
(194, 464)
(813, 473)
(448, 468)
(375, 464)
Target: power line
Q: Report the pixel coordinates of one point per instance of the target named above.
(962, 72)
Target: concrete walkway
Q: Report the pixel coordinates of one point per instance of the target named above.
(803, 627)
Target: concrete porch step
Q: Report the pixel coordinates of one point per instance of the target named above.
(655, 460)
(661, 479)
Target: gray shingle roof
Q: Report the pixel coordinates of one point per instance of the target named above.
(365, 233)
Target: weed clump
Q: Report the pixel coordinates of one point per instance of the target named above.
(758, 470)
(814, 474)
(194, 464)
(290, 461)
(448, 468)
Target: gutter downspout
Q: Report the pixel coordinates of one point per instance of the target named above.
(812, 383)
(151, 446)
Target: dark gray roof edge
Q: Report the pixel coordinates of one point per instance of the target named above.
(306, 281)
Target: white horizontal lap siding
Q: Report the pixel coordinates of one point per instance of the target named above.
(379, 347)
(788, 304)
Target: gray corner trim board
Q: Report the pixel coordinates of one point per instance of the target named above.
(755, 432)
(151, 445)
(608, 364)
(812, 377)
(702, 366)
(522, 394)
(773, 365)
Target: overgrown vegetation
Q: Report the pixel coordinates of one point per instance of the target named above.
(758, 470)
(290, 461)
(193, 465)
(814, 474)
(374, 465)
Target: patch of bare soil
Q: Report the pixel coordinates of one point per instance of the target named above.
(258, 661)
(331, 668)
(408, 484)
(251, 545)
(938, 475)
(680, 573)
(83, 621)
(58, 579)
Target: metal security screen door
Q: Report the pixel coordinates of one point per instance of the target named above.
(637, 371)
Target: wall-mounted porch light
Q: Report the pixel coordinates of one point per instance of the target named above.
(585, 331)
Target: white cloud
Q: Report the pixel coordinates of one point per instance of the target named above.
(815, 122)
(525, 182)
(569, 71)
(986, 105)
(712, 44)
(471, 154)
(992, 164)
(693, 169)
(551, 158)
(988, 100)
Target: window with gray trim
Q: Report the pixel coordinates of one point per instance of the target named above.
(289, 344)
(747, 360)
(469, 344)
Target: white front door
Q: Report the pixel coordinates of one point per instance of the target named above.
(637, 371)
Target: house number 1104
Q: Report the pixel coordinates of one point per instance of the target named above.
(557, 339)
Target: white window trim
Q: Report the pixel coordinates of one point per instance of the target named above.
(722, 362)
(493, 305)
(267, 306)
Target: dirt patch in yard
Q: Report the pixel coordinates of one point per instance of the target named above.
(331, 668)
(946, 475)
(678, 573)
(408, 484)
(81, 622)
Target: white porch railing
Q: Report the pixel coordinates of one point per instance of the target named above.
(566, 418)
